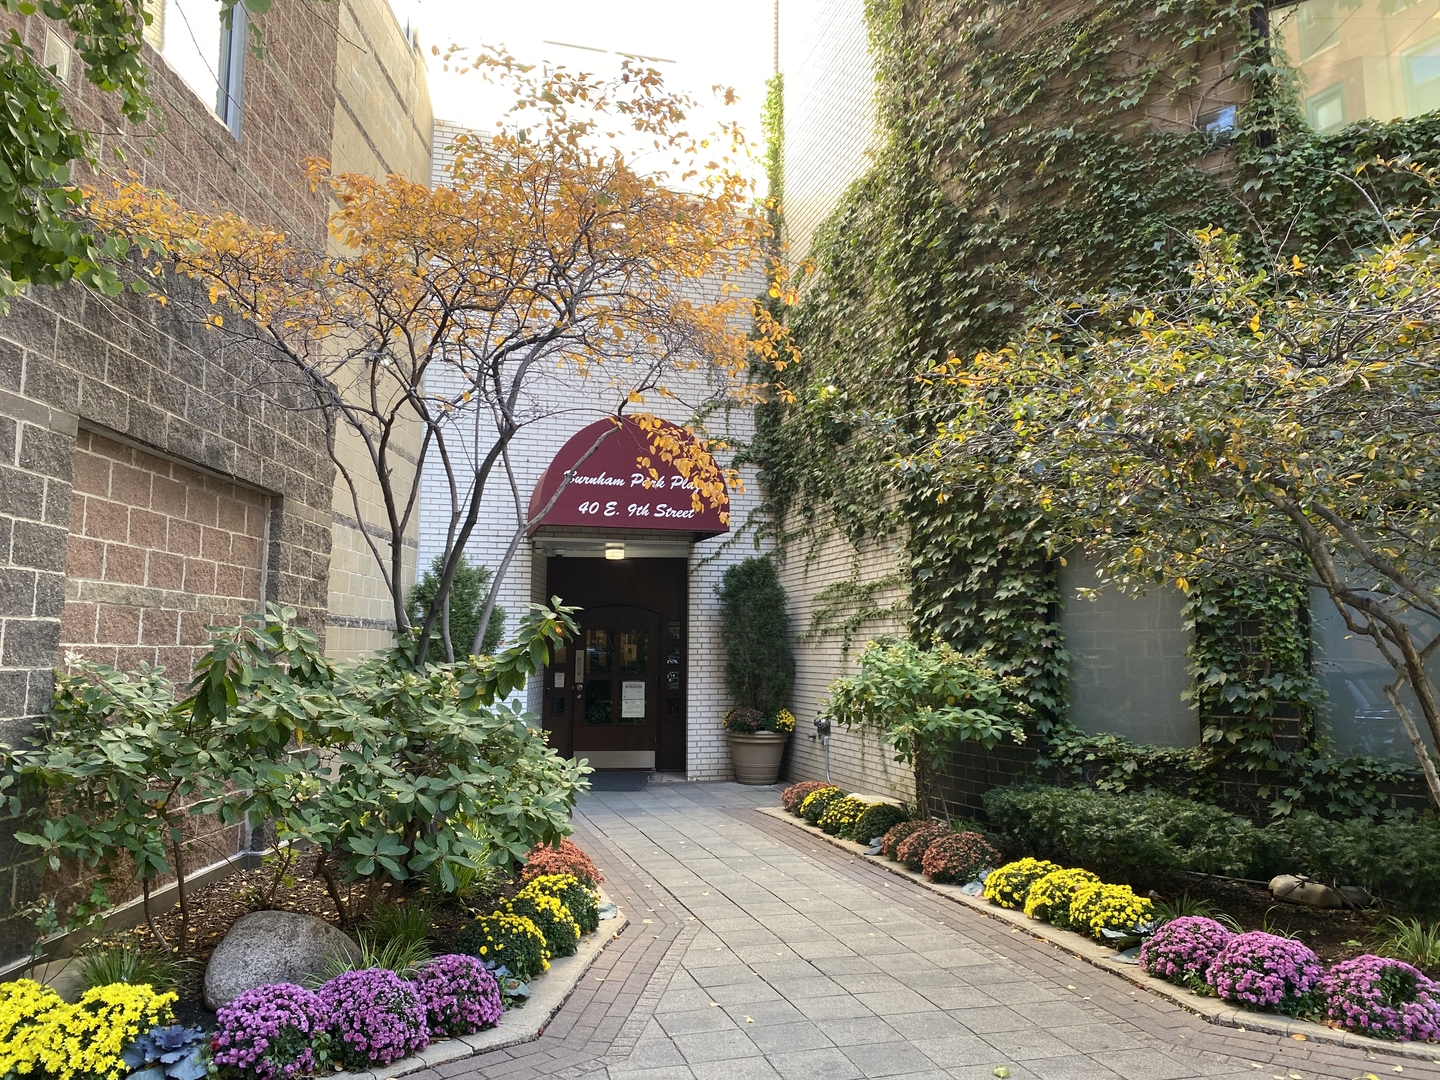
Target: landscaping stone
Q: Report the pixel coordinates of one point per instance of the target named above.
(270, 947)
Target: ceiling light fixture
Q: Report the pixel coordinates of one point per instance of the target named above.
(614, 552)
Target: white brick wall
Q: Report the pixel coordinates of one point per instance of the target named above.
(829, 109)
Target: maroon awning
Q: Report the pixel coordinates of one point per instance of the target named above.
(610, 490)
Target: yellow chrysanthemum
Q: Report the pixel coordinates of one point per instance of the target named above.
(1049, 898)
(1008, 886)
(1096, 907)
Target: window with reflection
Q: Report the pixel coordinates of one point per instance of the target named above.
(205, 47)
(1361, 59)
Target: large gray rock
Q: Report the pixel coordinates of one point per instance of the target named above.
(270, 947)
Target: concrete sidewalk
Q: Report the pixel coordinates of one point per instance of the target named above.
(756, 952)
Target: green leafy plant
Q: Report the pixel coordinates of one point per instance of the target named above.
(923, 702)
(755, 628)
(876, 821)
(409, 922)
(469, 590)
(398, 954)
(1187, 906)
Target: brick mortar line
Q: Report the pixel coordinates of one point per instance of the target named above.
(827, 850)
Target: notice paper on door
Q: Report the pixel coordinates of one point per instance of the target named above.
(632, 700)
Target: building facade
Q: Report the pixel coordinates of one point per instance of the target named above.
(147, 490)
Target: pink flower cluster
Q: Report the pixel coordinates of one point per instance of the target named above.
(269, 1032)
(375, 1017)
(1182, 950)
(1376, 995)
(459, 995)
(1266, 971)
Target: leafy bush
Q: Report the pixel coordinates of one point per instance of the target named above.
(923, 702)
(755, 627)
(459, 995)
(910, 852)
(579, 899)
(1182, 950)
(818, 801)
(1131, 836)
(1050, 896)
(841, 815)
(1097, 907)
(469, 589)
(507, 941)
(958, 858)
(562, 932)
(1009, 885)
(1264, 971)
(875, 822)
(562, 858)
(375, 1017)
(1378, 996)
(794, 795)
(273, 1032)
(899, 833)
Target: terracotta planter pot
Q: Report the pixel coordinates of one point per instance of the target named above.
(757, 757)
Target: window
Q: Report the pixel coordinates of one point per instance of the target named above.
(1326, 110)
(57, 55)
(205, 48)
(1362, 58)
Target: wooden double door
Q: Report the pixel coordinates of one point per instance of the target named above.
(616, 695)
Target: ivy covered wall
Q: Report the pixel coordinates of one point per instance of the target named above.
(1029, 149)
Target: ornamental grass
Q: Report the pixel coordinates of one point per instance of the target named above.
(1378, 996)
(818, 801)
(841, 815)
(1049, 897)
(561, 931)
(564, 858)
(910, 852)
(459, 994)
(505, 940)
(271, 1032)
(958, 858)
(1182, 950)
(794, 795)
(1097, 907)
(375, 1017)
(1265, 971)
(1009, 885)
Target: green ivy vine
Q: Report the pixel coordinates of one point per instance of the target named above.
(1029, 150)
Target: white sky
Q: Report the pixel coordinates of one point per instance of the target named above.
(730, 44)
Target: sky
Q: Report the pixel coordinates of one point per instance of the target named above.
(694, 45)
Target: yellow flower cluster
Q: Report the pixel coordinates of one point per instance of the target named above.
(1098, 907)
(1049, 898)
(841, 814)
(1008, 886)
(42, 1035)
(784, 721)
(496, 928)
(550, 914)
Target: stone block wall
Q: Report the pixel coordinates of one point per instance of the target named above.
(157, 552)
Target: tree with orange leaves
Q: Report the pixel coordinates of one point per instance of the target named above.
(552, 272)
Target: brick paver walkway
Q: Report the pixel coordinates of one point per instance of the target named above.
(756, 952)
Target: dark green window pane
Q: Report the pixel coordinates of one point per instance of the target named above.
(597, 703)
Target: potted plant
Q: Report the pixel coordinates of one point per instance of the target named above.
(759, 668)
(757, 743)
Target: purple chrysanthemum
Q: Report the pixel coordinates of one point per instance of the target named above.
(1266, 971)
(1182, 950)
(1380, 996)
(270, 1031)
(458, 994)
(375, 1017)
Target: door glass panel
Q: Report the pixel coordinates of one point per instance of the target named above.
(633, 647)
(597, 652)
(597, 703)
(672, 657)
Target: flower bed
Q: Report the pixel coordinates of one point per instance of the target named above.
(357, 1020)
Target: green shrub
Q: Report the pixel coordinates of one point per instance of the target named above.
(107, 963)
(512, 941)
(1132, 838)
(469, 589)
(755, 627)
(817, 802)
(876, 822)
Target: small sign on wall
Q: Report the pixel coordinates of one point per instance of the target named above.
(632, 701)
